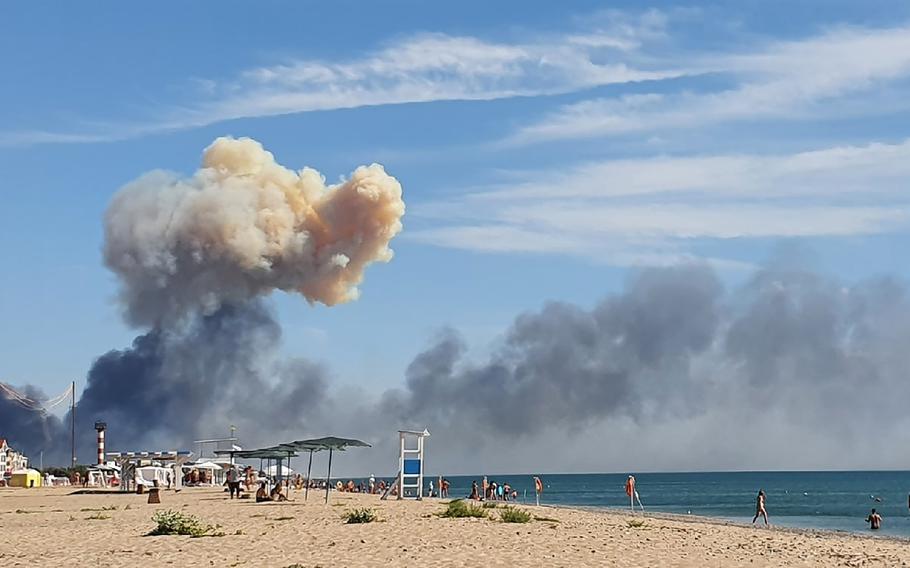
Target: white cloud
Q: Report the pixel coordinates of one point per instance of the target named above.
(649, 210)
(422, 68)
(874, 169)
(784, 79)
(430, 67)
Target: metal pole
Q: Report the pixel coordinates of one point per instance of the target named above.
(328, 477)
(73, 424)
(309, 468)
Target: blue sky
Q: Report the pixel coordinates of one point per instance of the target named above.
(545, 149)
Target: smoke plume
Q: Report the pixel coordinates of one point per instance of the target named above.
(243, 226)
(194, 257)
(676, 371)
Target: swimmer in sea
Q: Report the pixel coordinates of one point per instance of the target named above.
(874, 520)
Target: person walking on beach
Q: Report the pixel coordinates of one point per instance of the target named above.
(760, 507)
(474, 494)
(233, 480)
(874, 520)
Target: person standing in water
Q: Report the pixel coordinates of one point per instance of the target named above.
(760, 507)
(874, 520)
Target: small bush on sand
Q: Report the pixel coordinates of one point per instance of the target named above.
(460, 509)
(174, 522)
(358, 516)
(97, 517)
(489, 505)
(636, 523)
(511, 514)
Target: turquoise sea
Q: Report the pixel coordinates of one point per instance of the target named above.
(831, 500)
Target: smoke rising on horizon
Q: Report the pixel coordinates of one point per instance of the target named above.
(194, 257)
(792, 369)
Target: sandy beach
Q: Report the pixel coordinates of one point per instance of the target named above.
(52, 527)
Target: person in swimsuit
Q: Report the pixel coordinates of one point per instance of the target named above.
(874, 520)
(760, 507)
(262, 493)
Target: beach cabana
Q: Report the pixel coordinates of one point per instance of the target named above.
(128, 462)
(330, 443)
(25, 478)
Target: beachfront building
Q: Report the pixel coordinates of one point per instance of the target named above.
(10, 459)
(4, 452)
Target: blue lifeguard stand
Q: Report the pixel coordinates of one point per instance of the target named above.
(410, 464)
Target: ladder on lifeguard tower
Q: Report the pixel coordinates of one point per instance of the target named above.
(410, 471)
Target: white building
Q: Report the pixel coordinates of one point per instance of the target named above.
(10, 459)
(4, 452)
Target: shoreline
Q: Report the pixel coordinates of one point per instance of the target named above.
(53, 527)
(720, 521)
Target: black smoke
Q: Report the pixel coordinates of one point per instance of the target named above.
(173, 386)
(25, 428)
(790, 369)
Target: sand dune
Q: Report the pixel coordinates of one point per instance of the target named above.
(50, 527)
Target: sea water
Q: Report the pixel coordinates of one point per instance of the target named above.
(830, 500)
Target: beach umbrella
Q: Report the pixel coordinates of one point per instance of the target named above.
(330, 443)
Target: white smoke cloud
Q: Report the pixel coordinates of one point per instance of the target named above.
(242, 226)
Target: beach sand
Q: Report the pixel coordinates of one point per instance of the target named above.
(51, 527)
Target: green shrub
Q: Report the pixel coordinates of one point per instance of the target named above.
(511, 514)
(460, 509)
(636, 523)
(173, 522)
(358, 516)
(489, 505)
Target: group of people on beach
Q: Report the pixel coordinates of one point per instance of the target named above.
(874, 519)
(492, 491)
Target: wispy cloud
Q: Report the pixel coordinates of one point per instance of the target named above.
(422, 68)
(649, 210)
(783, 79)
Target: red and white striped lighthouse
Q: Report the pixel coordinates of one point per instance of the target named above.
(100, 427)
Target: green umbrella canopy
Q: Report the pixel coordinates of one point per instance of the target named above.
(327, 443)
(270, 453)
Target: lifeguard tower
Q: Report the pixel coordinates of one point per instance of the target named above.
(410, 463)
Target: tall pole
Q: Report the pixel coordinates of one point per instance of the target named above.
(309, 468)
(73, 423)
(328, 476)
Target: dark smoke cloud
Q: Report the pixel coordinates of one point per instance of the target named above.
(566, 366)
(175, 386)
(27, 429)
(792, 369)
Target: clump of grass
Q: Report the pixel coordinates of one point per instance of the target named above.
(636, 523)
(97, 517)
(546, 519)
(110, 508)
(489, 505)
(358, 516)
(177, 523)
(459, 510)
(511, 514)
